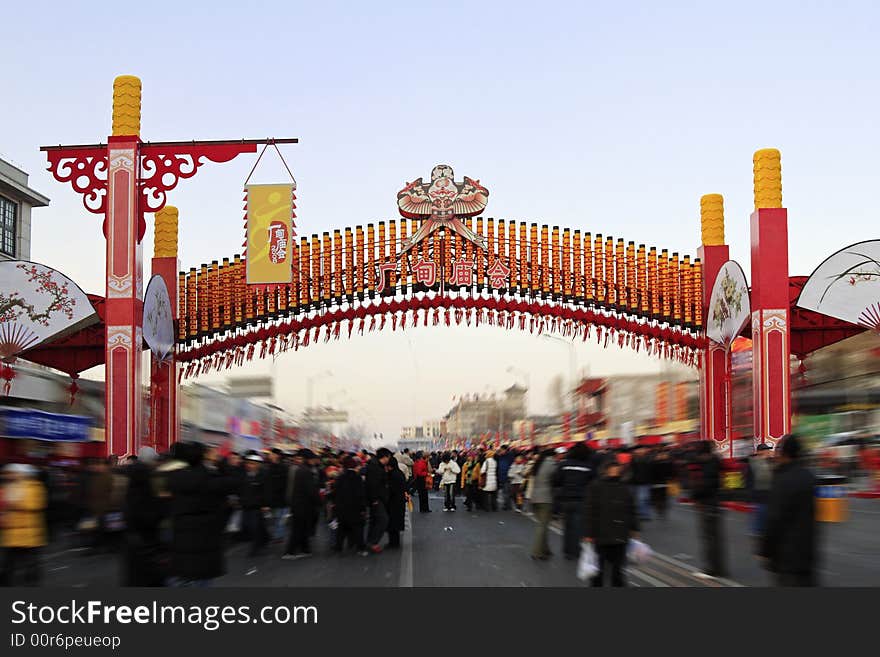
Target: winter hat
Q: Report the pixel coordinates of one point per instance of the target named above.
(254, 457)
(349, 463)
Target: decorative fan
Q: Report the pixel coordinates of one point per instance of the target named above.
(729, 307)
(38, 304)
(847, 286)
(158, 322)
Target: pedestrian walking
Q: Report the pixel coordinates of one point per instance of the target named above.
(305, 501)
(542, 502)
(662, 472)
(448, 471)
(470, 482)
(143, 512)
(641, 480)
(517, 480)
(198, 497)
(397, 496)
(789, 545)
(504, 460)
(705, 489)
(570, 482)
(276, 486)
(489, 482)
(253, 497)
(759, 479)
(611, 522)
(420, 474)
(23, 502)
(376, 480)
(350, 507)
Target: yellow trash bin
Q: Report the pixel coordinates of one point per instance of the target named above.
(831, 499)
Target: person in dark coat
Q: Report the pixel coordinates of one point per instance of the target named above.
(611, 522)
(570, 482)
(759, 478)
(198, 498)
(143, 511)
(376, 480)
(276, 485)
(396, 502)
(305, 501)
(641, 478)
(705, 489)
(662, 472)
(253, 497)
(350, 507)
(789, 545)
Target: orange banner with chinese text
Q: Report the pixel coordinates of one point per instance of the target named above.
(269, 234)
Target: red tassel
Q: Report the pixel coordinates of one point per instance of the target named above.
(73, 389)
(372, 323)
(394, 321)
(448, 316)
(336, 330)
(403, 316)
(361, 327)
(382, 322)
(350, 327)
(7, 373)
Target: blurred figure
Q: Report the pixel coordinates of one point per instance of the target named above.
(198, 497)
(611, 522)
(254, 499)
(759, 478)
(489, 482)
(705, 487)
(448, 471)
(504, 459)
(376, 480)
(143, 511)
(662, 472)
(99, 493)
(570, 483)
(470, 481)
(405, 463)
(276, 486)
(23, 502)
(542, 502)
(517, 479)
(420, 474)
(304, 500)
(640, 477)
(789, 548)
(396, 502)
(350, 507)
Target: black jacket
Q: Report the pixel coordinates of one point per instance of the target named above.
(376, 481)
(143, 510)
(706, 479)
(571, 480)
(611, 512)
(396, 500)
(349, 497)
(276, 484)
(641, 471)
(253, 491)
(197, 521)
(304, 496)
(790, 533)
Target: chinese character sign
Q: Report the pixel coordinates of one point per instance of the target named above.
(462, 272)
(269, 233)
(498, 274)
(425, 272)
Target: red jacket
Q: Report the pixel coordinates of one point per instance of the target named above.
(420, 468)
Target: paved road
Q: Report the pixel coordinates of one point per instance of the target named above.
(491, 549)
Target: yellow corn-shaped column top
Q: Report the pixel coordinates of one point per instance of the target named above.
(126, 106)
(768, 178)
(712, 219)
(165, 241)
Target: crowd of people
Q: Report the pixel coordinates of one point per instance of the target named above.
(171, 517)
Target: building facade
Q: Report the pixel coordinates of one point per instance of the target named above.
(16, 202)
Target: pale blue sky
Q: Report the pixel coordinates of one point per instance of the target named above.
(610, 117)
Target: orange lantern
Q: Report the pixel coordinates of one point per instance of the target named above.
(642, 281)
(599, 268)
(589, 275)
(698, 293)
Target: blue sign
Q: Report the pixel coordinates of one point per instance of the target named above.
(39, 425)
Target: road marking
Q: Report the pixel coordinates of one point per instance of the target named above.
(650, 580)
(689, 568)
(406, 554)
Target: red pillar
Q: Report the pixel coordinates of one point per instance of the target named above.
(124, 290)
(163, 376)
(713, 254)
(771, 355)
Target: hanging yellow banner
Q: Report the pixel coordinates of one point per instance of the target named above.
(269, 234)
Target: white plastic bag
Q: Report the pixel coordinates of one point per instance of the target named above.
(587, 563)
(234, 524)
(637, 552)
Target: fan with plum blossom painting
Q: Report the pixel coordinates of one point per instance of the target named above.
(38, 304)
(847, 286)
